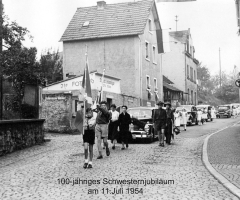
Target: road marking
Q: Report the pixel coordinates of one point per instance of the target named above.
(231, 187)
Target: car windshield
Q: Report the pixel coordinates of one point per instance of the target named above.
(223, 107)
(140, 113)
(188, 108)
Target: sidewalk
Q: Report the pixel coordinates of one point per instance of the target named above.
(224, 153)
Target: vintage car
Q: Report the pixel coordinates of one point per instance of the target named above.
(224, 110)
(210, 111)
(192, 113)
(142, 123)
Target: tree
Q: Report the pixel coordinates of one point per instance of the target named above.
(204, 76)
(51, 66)
(18, 62)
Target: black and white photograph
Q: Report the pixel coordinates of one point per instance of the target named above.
(119, 99)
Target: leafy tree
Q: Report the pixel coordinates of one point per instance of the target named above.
(51, 66)
(18, 62)
(203, 73)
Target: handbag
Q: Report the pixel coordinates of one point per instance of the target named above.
(176, 130)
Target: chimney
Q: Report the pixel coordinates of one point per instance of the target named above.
(101, 5)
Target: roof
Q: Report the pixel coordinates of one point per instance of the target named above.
(170, 87)
(165, 79)
(181, 36)
(120, 19)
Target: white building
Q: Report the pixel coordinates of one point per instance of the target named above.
(180, 66)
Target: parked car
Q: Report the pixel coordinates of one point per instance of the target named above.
(142, 123)
(210, 111)
(192, 113)
(224, 110)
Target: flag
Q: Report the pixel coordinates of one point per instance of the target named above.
(174, 0)
(86, 85)
(100, 93)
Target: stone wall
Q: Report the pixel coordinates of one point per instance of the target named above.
(57, 110)
(20, 134)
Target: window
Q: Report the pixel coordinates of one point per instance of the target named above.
(147, 50)
(154, 54)
(194, 74)
(187, 71)
(109, 103)
(150, 24)
(195, 98)
(155, 83)
(148, 81)
(191, 73)
(86, 24)
(191, 97)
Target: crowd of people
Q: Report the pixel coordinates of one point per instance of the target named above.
(104, 125)
(111, 125)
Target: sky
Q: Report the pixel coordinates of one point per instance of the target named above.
(212, 24)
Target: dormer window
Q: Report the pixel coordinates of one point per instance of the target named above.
(150, 25)
(86, 24)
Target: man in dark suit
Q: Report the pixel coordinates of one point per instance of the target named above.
(170, 121)
(159, 122)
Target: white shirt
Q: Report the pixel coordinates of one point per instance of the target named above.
(115, 115)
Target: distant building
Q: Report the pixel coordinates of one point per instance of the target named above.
(238, 12)
(180, 66)
(125, 39)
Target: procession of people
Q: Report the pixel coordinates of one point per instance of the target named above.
(111, 125)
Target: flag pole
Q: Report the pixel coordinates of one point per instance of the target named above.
(84, 100)
(102, 84)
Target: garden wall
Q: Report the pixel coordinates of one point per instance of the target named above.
(20, 134)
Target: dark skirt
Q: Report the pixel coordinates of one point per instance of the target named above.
(124, 134)
(113, 132)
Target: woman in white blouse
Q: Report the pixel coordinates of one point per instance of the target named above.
(184, 118)
(113, 126)
(177, 119)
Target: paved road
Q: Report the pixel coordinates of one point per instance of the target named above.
(224, 153)
(37, 172)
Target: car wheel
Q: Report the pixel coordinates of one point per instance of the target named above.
(211, 119)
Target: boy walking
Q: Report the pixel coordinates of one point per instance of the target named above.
(159, 122)
(89, 137)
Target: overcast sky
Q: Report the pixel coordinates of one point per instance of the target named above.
(212, 24)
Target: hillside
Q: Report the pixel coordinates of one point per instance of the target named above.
(206, 98)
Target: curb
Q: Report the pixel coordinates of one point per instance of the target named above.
(226, 183)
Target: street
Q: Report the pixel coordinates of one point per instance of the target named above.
(52, 170)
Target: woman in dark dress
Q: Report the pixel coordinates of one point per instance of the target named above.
(124, 121)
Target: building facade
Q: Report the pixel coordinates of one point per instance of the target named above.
(180, 66)
(125, 39)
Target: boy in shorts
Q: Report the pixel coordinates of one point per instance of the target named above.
(89, 136)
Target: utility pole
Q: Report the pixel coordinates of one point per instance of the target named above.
(176, 21)
(220, 75)
(1, 70)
